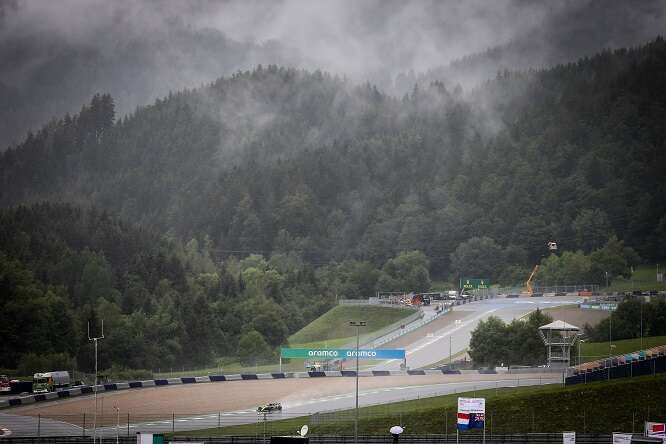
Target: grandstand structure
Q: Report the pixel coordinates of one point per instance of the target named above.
(639, 363)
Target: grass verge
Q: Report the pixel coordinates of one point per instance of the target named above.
(591, 351)
(602, 407)
(643, 278)
(333, 326)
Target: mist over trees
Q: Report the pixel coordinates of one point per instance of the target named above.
(280, 160)
(216, 221)
(57, 55)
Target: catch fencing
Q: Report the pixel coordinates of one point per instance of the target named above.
(560, 290)
(501, 423)
(465, 438)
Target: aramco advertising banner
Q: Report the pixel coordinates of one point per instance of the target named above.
(341, 353)
(471, 413)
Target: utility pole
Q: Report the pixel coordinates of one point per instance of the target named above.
(95, 339)
(117, 423)
(450, 352)
(357, 324)
(610, 341)
(641, 301)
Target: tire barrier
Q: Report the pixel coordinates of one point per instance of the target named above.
(88, 390)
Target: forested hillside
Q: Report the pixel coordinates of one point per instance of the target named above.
(280, 160)
(164, 303)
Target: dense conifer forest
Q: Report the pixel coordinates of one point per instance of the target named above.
(249, 204)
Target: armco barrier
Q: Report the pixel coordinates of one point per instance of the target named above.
(391, 329)
(415, 325)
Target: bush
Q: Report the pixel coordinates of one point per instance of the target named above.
(32, 363)
(253, 349)
(117, 373)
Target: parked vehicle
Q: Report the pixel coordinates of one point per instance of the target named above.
(50, 381)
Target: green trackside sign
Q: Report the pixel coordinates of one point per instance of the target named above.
(341, 353)
(474, 284)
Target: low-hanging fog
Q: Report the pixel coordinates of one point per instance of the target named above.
(55, 55)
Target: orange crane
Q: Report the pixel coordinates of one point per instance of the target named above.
(529, 284)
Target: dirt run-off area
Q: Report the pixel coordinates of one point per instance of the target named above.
(231, 395)
(577, 316)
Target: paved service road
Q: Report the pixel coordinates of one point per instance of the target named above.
(437, 346)
(36, 426)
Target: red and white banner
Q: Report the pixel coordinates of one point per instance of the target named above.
(655, 429)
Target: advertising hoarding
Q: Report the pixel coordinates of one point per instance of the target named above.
(341, 353)
(471, 413)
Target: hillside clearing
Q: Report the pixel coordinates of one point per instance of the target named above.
(332, 328)
(595, 350)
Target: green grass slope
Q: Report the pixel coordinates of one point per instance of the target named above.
(643, 278)
(603, 407)
(591, 351)
(332, 328)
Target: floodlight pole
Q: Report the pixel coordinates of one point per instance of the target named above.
(579, 341)
(95, 339)
(356, 324)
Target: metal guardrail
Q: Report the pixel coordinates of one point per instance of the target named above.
(372, 337)
(357, 302)
(414, 326)
(552, 289)
(408, 328)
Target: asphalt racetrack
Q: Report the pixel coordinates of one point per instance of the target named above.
(227, 403)
(200, 406)
(430, 345)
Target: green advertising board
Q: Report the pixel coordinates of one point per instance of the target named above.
(341, 353)
(474, 284)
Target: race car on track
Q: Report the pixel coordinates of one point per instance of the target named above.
(270, 407)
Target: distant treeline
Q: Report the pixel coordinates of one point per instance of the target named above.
(633, 318)
(280, 160)
(338, 190)
(163, 303)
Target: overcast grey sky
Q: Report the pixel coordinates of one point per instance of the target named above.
(56, 54)
(349, 37)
